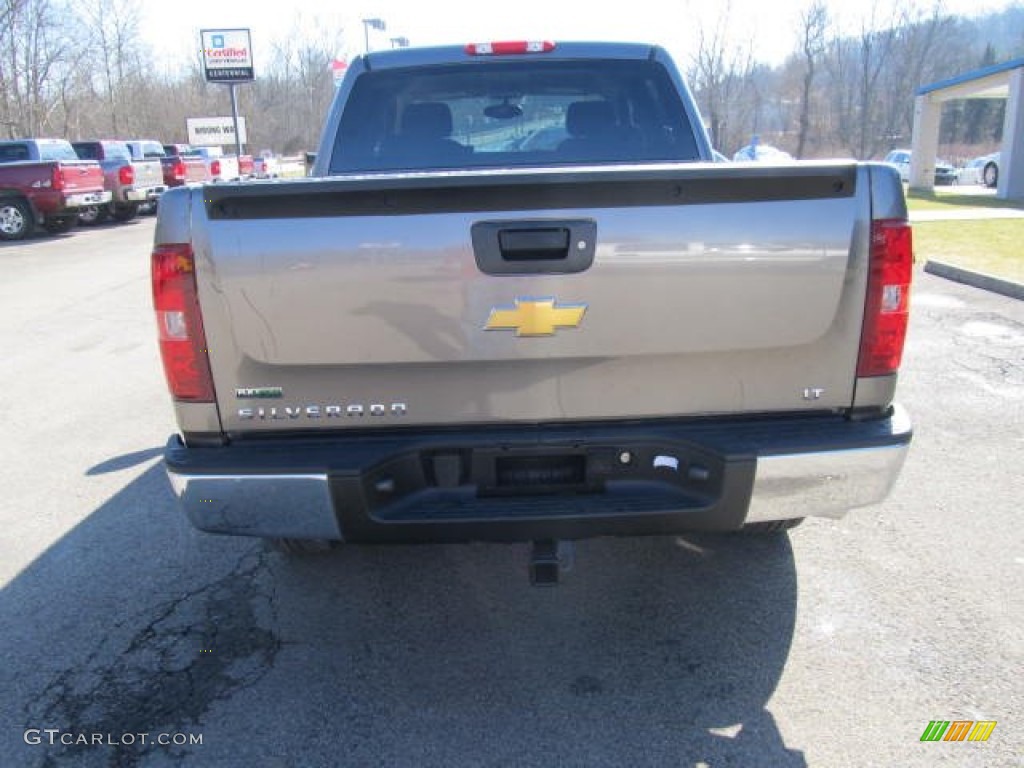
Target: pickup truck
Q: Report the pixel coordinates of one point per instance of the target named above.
(219, 166)
(42, 181)
(266, 166)
(132, 183)
(246, 166)
(446, 337)
(179, 168)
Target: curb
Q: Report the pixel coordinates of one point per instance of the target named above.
(976, 279)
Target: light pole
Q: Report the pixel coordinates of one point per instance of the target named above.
(399, 42)
(376, 24)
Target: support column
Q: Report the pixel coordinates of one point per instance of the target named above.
(924, 142)
(1011, 158)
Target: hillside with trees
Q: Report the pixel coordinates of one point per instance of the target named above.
(74, 68)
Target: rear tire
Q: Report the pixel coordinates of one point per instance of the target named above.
(770, 528)
(60, 225)
(16, 222)
(991, 175)
(301, 547)
(93, 214)
(125, 212)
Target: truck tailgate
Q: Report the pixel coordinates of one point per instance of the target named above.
(148, 173)
(81, 176)
(711, 290)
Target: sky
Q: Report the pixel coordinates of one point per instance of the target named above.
(170, 30)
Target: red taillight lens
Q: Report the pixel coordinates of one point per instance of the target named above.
(888, 301)
(180, 324)
(178, 169)
(126, 175)
(510, 48)
(215, 167)
(57, 178)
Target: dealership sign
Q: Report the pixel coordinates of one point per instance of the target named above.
(214, 131)
(227, 55)
(338, 69)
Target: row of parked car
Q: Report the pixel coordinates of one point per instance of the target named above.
(56, 184)
(981, 170)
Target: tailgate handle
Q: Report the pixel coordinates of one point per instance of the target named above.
(526, 247)
(533, 244)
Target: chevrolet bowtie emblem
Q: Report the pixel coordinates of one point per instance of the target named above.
(535, 317)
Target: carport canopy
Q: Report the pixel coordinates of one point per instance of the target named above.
(1000, 81)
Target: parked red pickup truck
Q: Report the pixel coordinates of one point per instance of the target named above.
(42, 181)
(186, 165)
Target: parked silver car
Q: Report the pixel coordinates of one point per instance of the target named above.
(900, 159)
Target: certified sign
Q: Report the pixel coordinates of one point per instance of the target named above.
(227, 55)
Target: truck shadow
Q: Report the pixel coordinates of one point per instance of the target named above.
(652, 651)
(38, 236)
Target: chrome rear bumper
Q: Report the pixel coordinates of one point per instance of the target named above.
(823, 484)
(390, 490)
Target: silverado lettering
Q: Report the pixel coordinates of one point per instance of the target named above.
(327, 411)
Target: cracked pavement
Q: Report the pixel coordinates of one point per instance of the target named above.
(116, 617)
(200, 647)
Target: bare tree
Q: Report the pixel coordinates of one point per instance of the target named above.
(862, 120)
(9, 11)
(720, 75)
(927, 49)
(814, 23)
(113, 26)
(34, 46)
(292, 100)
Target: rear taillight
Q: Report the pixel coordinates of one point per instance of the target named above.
(510, 48)
(126, 175)
(178, 169)
(180, 324)
(888, 300)
(215, 168)
(57, 179)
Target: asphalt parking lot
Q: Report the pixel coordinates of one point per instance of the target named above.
(834, 646)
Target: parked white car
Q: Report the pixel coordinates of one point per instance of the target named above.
(972, 174)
